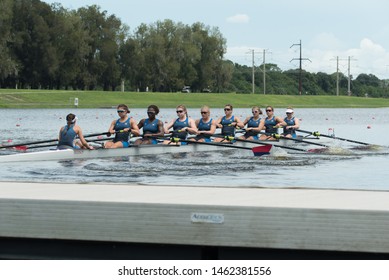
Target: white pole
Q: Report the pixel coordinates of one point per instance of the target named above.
(253, 77)
(264, 73)
(349, 78)
(337, 76)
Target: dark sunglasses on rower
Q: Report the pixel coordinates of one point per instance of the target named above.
(269, 110)
(179, 112)
(204, 112)
(120, 111)
(227, 109)
(151, 113)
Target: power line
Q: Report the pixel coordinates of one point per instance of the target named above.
(300, 68)
(264, 70)
(253, 71)
(348, 75)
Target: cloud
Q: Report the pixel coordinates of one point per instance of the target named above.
(368, 57)
(239, 18)
(326, 41)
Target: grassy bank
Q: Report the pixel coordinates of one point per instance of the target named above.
(98, 99)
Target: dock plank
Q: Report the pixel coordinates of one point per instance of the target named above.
(300, 219)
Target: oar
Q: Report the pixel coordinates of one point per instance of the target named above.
(317, 134)
(29, 143)
(48, 141)
(279, 136)
(56, 144)
(264, 143)
(258, 151)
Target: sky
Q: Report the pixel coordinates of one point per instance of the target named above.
(350, 35)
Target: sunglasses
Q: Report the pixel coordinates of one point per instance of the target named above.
(204, 112)
(269, 110)
(120, 111)
(150, 113)
(179, 111)
(227, 109)
(255, 112)
(288, 113)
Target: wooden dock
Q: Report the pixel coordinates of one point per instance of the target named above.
(93, 221)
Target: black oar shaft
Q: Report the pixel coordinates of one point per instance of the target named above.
(275, 145)
(218, 145)
(333, 137)
(29, 143)
(259, 142)
(56, 144)
(303, 141)
(48, 141)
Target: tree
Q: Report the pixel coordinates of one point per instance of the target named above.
(33, 42)
(72, 47)
(8, 65)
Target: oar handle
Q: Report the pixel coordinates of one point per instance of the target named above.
(102, 133)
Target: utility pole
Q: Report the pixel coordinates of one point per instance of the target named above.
(337, 76)
(300, 68)
(253, 73)
(264, 72)
(349, 78)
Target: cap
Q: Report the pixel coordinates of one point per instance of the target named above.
(289, 110)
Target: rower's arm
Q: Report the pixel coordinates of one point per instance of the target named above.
(134, 128)
(239, 123)
(82, 139)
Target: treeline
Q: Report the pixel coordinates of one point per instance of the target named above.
(46, 46)
(50, 47)
(287, 82)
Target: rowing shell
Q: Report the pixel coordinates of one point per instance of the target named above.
(72, 154)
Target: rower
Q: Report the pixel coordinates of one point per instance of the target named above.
(292, 124)
(122, 128)
(206, 126)
(69, 133)
(272, 123)
(228, 124)
(254, 124)
(152, 127)
(180, 127)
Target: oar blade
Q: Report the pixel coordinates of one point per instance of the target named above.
(318, 150)
(22, 148)
(261, 150)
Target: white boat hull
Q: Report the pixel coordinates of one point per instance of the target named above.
(70, 154)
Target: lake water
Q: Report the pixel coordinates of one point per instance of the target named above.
(360, 170)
